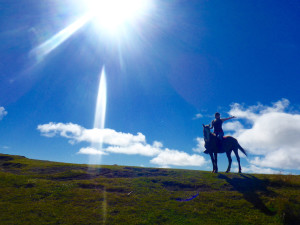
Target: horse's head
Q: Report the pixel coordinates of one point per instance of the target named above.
(206, 133)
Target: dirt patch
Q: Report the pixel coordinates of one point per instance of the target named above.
(30, 185)
(12, 165)
(227, 187)
(60, 172)
(82, 172)
(72, 177)
(146, 172)
(176, 186)
(5, 158)
(117, 189)
(55, 169)
(102, 188)
(88, 174)
(90, 186)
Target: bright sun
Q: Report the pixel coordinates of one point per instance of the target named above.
(113, 15)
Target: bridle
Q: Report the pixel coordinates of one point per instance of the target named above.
(206, 132)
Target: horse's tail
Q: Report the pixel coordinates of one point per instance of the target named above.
(242, 150)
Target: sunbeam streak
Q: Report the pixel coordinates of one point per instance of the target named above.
(99, 121)
(48, 46)
(100, 112)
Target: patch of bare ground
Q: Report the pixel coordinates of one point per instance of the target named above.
(101, 187)
(91, 173)
(5, 158)
(12, 167)
(90, 186)
(64, 173)
(177, 186)
(74, 172)
(146, 172)
(54, 169)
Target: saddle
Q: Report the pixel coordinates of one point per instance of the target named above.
(219, 145)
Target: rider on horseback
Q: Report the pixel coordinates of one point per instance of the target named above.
(217, 126)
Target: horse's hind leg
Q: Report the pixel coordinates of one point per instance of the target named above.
(238, 159)
(229, 161)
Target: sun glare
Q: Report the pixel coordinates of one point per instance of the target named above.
(113, 15)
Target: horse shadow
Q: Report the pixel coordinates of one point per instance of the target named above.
(250, 186)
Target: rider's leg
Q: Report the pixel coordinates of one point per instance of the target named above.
(221, 135)
(220, 140)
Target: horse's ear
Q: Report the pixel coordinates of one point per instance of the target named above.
(203, 125)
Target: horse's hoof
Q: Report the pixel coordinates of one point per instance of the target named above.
(240, 171)
(227, 171)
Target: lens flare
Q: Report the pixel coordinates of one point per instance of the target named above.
(113, 14)
(100, 112)
(99, 123)
(48, 46)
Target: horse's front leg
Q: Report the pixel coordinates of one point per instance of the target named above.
(216, 162)
(213, 162)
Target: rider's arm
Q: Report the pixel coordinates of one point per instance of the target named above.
(212, 125)
(228, 118)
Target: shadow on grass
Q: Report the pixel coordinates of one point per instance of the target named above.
(249, 186)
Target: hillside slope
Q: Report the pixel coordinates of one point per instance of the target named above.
(43, 192)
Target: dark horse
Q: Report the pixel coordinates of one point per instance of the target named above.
(229, 144)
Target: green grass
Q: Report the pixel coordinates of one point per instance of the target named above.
(42, 192)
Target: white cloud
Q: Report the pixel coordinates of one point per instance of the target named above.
(200, 145)
(273, 134)
(135, 149)
(232, 126)
(91, 151)
(121, 143)
(2, 112)
(68, 130)
(198, 116)
(256, 169)
(282, 159)
(177, 158)
(77, 133)
(110, 137)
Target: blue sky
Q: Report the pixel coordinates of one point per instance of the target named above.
(167, 72)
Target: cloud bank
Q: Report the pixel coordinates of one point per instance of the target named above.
(271, 133)
(120, 143)
(2, 112)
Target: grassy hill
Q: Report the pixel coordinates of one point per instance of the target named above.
(43, 192)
